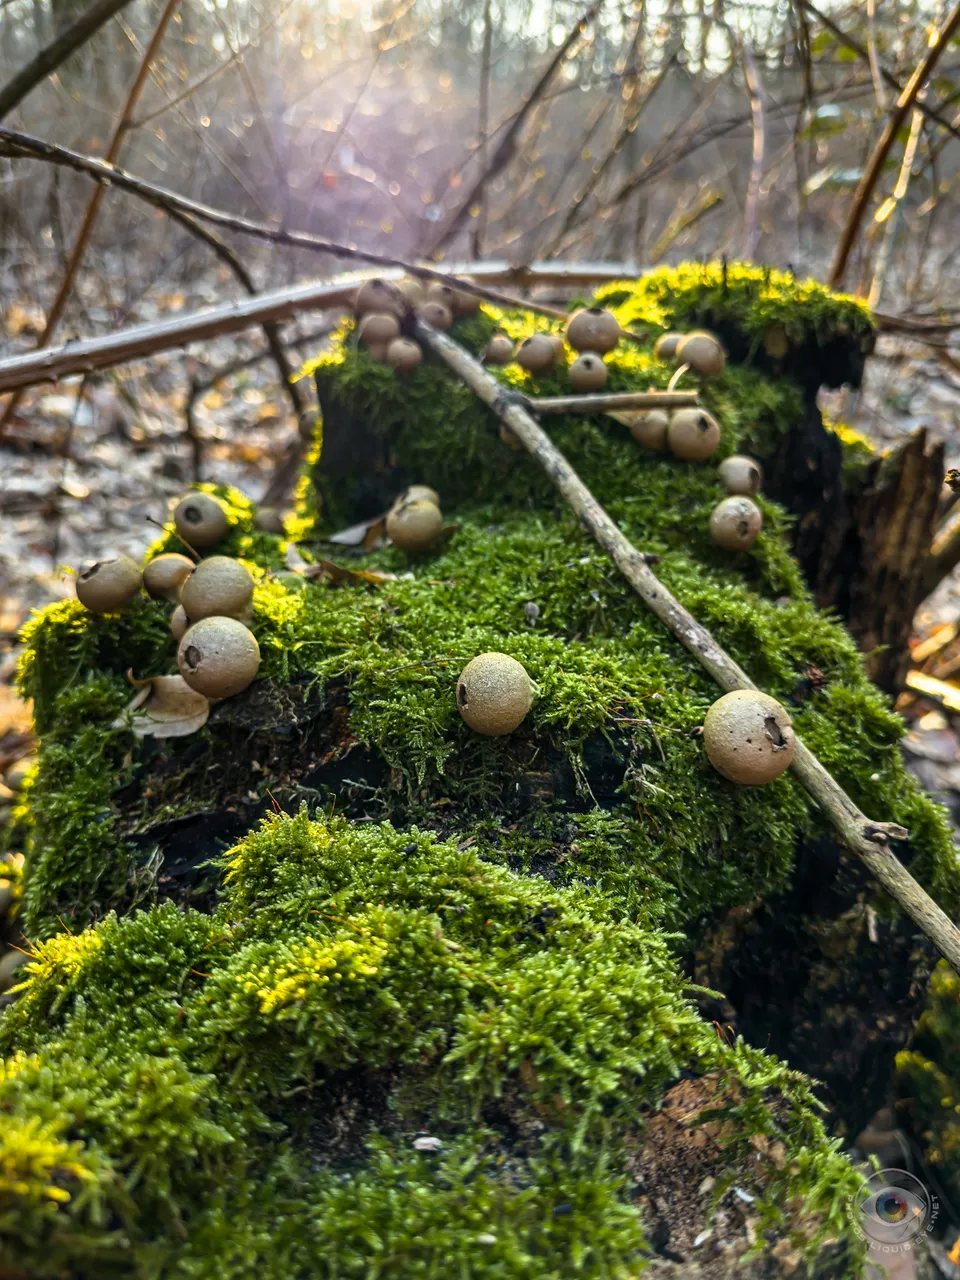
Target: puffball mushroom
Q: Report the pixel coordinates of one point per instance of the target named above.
(748, 737)
(380, 295)
(218, 587)
(419, 492)
(377, 328)
(593, 329)
(559, 350)
(666, 346)
(412, 290)
(775, 342)
(703, 353)
(164, 575)
(494, 693)
(108, 586)
(457, 301)
(735, 523)
(268, 520)
(414, 524)
(740, 474)
(587, 373)
(435, 314)
(200, 520)
(536, 354)
(218, 657)
(445, 294)
(179, 623)
(499, 350)
(649, 428)
(692, 434)
(404, 355)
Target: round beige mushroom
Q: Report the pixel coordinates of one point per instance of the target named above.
(414, 524)
(775, 342)
(179, 622)
(108, 586)
(218, 657)
(404, 355)
(593, 329)
(494, 693)
(536, 354)
(380, 295)
(703, 353)
(692, 434)
(559, 348)
(499, 350)
(218, 587)
(435, 314)
(666, 346)
(740, 474)
(377, 328)
(418, 493)
(163, 576)
(587, 373)
(735, 523)
(748, 737)
(200, 520)
(649, 428)
(269, 520)
(412, 290)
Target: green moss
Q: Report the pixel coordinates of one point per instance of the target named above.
(743, 299)
(929, 1078)
(173, 1046)
(510, 988)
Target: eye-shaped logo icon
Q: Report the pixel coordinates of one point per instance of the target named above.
(894, 1207)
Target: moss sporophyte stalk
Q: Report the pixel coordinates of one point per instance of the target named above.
(222, 1070)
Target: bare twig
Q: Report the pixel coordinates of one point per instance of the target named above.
(870, 841)
(598, 173)
(483, 125)
(751, 212)
(872, 55)
(872, 172)
(888, 214)
(508, 144)
(932, 113)
(93, 207)
(617, 400)
(57, 52)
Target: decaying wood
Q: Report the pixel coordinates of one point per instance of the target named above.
(869, 840)
(860, 541)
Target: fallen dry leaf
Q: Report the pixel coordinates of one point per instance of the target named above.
(339, 576)
(167, 708)
(368, 534)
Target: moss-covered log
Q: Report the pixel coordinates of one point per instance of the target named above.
(433, 1015)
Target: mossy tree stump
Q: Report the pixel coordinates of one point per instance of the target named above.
(434, 1016)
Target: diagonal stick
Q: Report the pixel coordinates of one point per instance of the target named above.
(870, 841)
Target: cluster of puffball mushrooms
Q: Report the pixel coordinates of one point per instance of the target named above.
(380, 306)
(217, 653)
(591, 332)
(748, 736)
